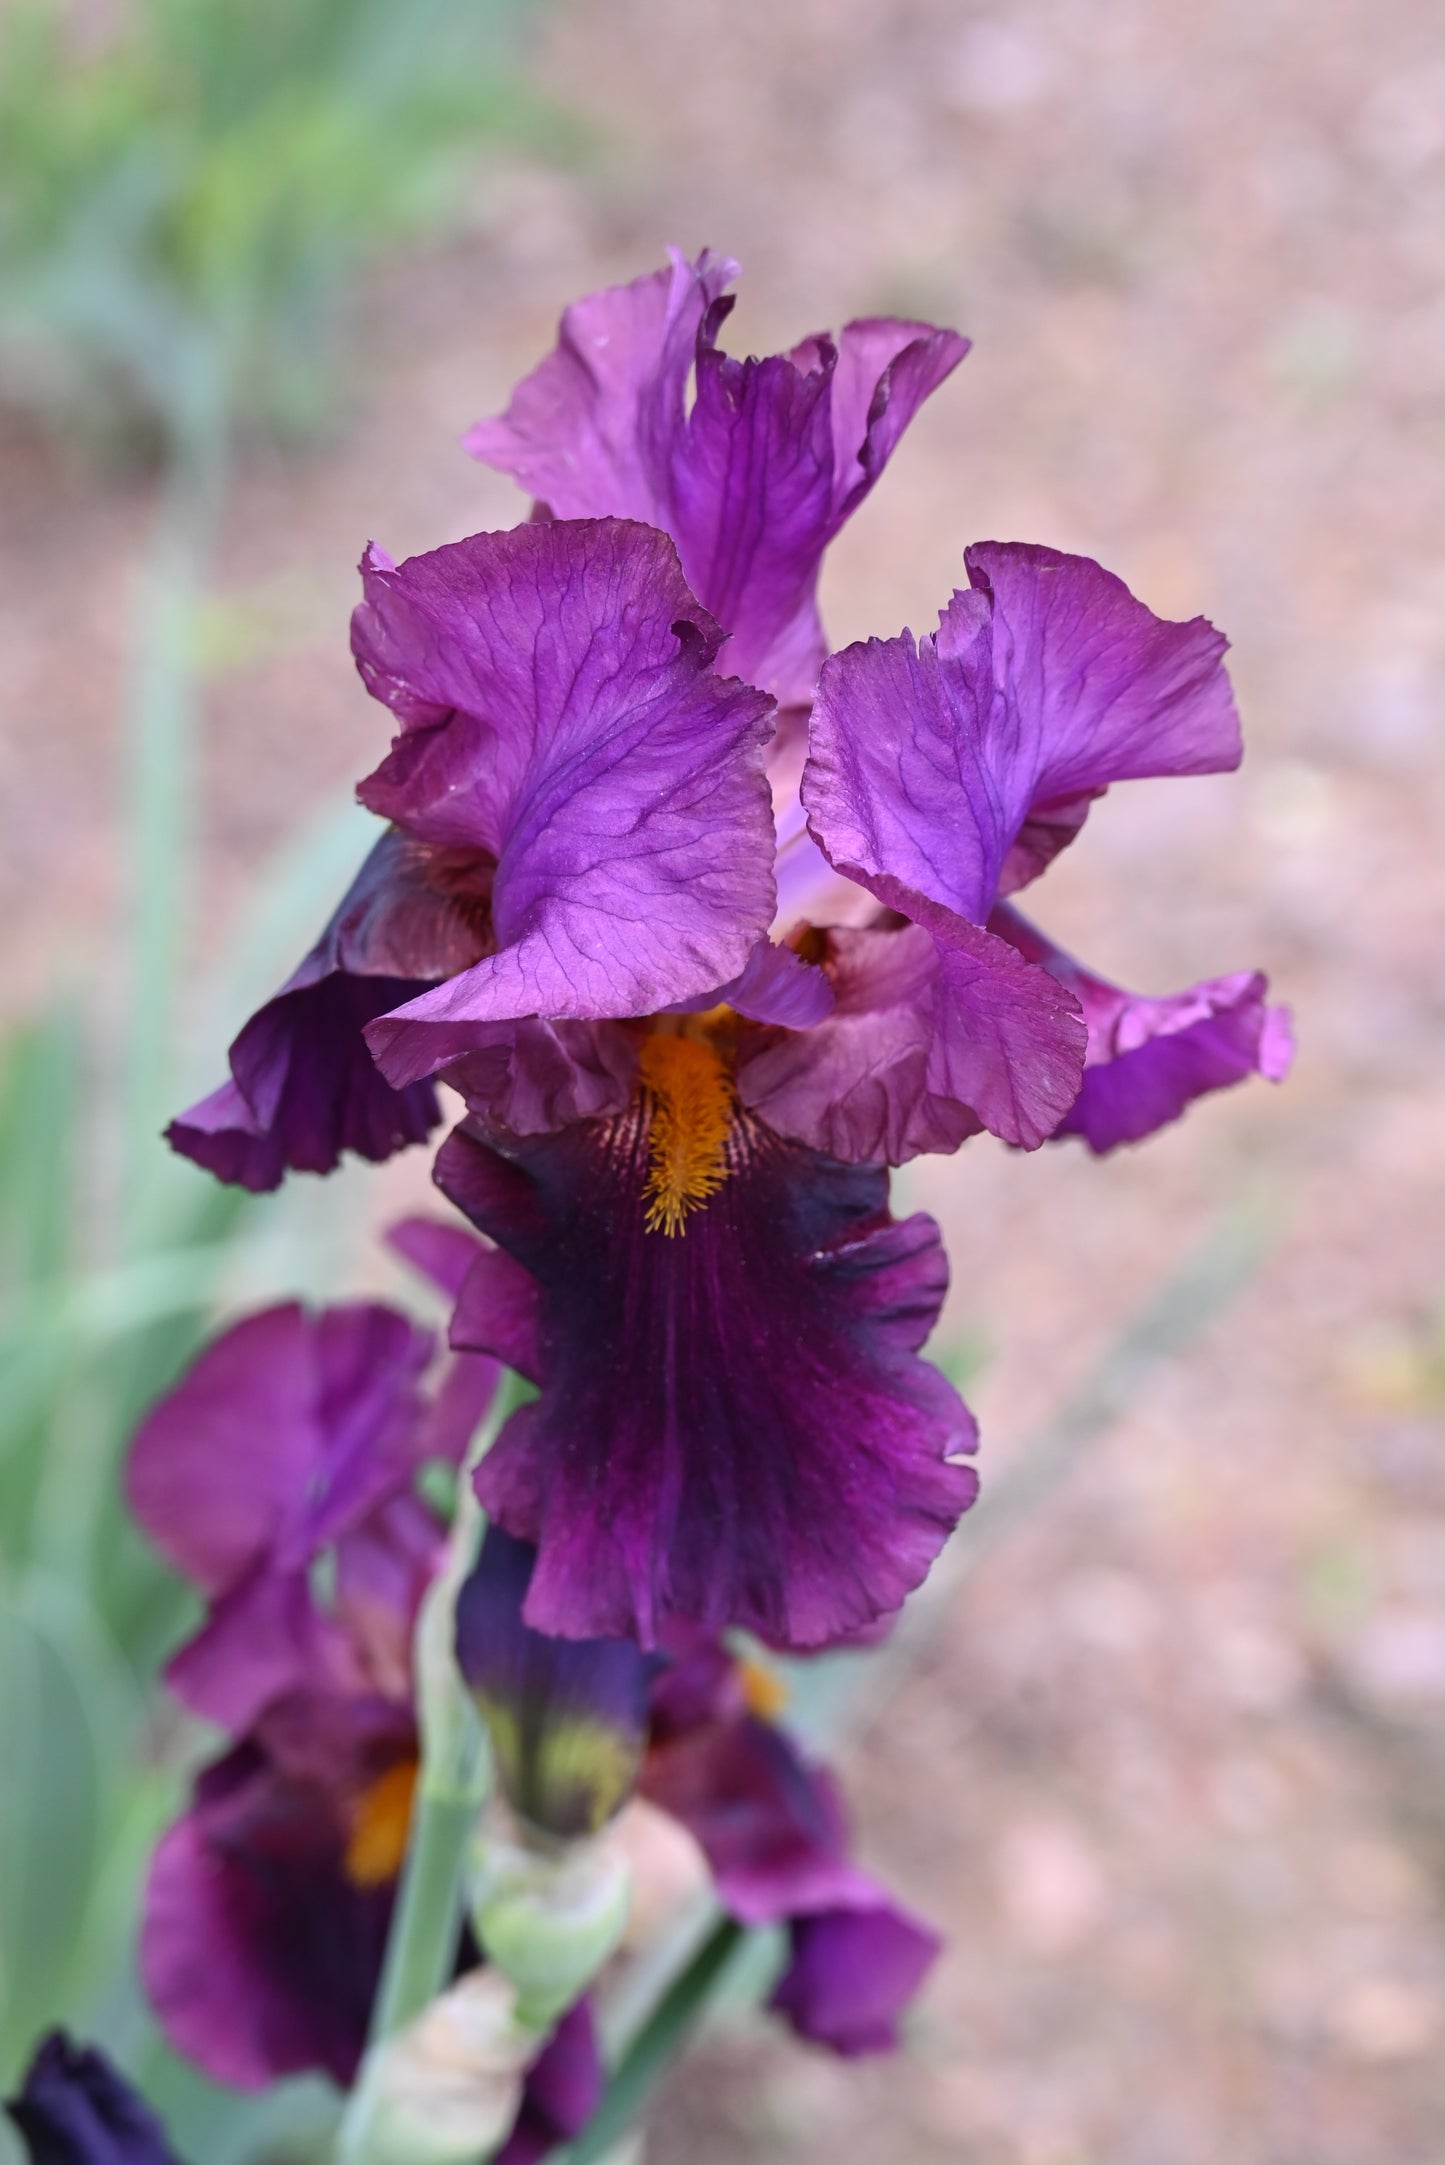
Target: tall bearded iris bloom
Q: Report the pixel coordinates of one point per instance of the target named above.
(700, 977)
(753, 479)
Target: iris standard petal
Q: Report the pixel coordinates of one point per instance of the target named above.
(590, 748)
(755, 480)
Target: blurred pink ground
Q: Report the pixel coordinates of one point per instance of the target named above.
(1174, 1782)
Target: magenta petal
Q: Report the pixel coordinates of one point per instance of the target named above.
(1150, 1057)
(852, 1972)
(261, 1639)
(755, 481)
(439, 1250)
(772, 1828)
(593, 752)
(776, 456)
(930, 1038)
(1044, 683)
(591, 430)
(284, 1429)
(1101, 690)
(734, 1425)
(284, 1435)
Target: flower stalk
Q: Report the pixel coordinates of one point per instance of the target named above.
(455, 1771)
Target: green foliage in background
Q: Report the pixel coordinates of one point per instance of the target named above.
(183, 207)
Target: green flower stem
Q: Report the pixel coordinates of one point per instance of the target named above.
(162, 724)
(422, 1949)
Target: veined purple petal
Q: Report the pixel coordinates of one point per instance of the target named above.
(1102, 689)
(75, 2108)
(776, 455)
(943, 771)
(1150, 1057)
(592, 751)
(568, 1717)
(734, 1425)
(935, 1033)
(303, 1085)
(777, 986)
(755, 481)
(951, 768)
(591, 430)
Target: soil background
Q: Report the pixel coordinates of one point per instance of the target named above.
(1172, 1775)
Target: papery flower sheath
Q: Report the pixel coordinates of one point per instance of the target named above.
(75, 2108)
(734, 1424)
(753, 479)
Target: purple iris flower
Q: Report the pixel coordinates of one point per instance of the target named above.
(75, 2108)
(580, 829)
(774, 1832)
(285, 1439)
(269, 1901)
(705, 997)
(753, 480)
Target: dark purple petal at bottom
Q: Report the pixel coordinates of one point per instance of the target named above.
(734, 1425)
(1149, 1058)
(260, 1956)
(74, 2108)
(563, 2090)
(853, 1970)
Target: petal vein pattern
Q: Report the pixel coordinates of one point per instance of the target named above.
(734, 1425)
(586, 741)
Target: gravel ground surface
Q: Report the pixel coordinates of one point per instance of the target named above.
(1172, 1776)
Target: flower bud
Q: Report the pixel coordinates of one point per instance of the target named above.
(567, 1717)
(549, 1920)
(445, 2090)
